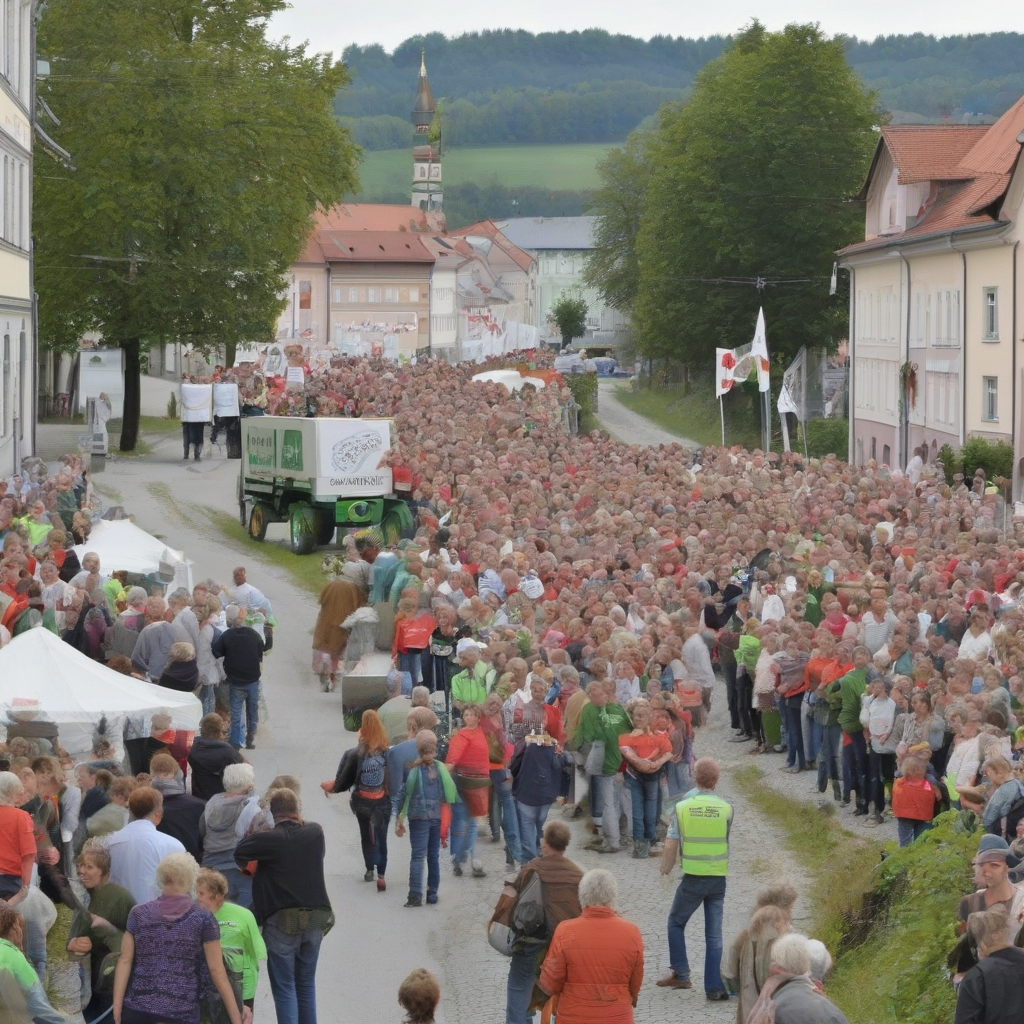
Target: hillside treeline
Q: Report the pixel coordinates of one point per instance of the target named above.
(592, 86)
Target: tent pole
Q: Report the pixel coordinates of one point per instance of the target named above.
(721, 411)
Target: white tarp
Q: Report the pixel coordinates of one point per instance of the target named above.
(510, 379)
(225, 399)
(123, 545)
(44, 679)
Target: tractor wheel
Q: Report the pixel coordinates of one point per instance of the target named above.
(326, 527)
(258, 520)
(302, 529)
(397, 523)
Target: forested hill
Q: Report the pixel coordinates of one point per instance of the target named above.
(591, 86)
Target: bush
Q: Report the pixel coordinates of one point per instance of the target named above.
(828, 437)
(172, 407)
(584, 389)
(892, 962)
(994, 457)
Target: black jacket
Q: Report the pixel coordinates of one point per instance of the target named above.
(290, 873)
(182, 814)
(242, 651)
(992, 991)
(536, 774)
(208, 759)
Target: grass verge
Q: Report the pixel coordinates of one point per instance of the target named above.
(692, 413)
(58, 964)
(839, 863)
(304, 570)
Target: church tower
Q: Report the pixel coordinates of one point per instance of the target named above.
(427, 192)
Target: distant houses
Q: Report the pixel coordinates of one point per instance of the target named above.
(937, 292)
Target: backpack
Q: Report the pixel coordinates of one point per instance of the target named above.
(1013, 817)
(520, 920)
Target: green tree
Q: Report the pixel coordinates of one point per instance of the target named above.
(199, 151)
(752, 184)
(618, 205)
(569, 314)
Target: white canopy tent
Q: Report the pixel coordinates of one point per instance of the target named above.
(43, 679)
(123, 545)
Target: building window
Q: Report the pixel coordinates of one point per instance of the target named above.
(990, 399)
(353, 295)
(390, 294)
(305, 295)
(373, 295)
(874, 448)
(337, 296)
(414, 295)
(886, 455)
(990, 314)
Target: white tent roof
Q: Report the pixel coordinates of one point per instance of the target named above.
(42, 674)
(511, 379)
(123, 545)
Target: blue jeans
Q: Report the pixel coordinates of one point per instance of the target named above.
(522, 975)
(244, 697)
(792, 715)
(425, 840)
(291, 965)
(828, 755)
(812, 736)
(531, 824)
(678, 778)
(908, 829)
(463, 833)
(692, 892)
(208, 695)
(239, 887)
(504, 807)
(644, 791)
(605, 795)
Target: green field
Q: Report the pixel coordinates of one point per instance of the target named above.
(559, 168)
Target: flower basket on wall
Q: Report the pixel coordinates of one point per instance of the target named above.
(908, 382)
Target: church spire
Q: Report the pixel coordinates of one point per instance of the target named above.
(427, 191)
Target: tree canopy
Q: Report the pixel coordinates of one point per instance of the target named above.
(569, 314)
(751, 183)
(199, 151)
(593, 86)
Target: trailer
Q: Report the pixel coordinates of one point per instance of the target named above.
(318, 474)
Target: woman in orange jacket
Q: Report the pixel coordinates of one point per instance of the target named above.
(595, 964)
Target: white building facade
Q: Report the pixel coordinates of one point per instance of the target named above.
(17, 321)
(561, 246)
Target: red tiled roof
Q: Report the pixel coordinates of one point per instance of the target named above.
(969, 180)
(373, 247)
(372, 217)
(931, 152)
(488, 228)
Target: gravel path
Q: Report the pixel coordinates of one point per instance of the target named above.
(630, 427)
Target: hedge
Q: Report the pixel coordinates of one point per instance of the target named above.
(994, 457)
(584, 389)
(828, 437)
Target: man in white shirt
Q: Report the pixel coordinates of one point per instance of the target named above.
(138, 848)
(246, 596)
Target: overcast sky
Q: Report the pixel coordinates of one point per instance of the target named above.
(333, 25)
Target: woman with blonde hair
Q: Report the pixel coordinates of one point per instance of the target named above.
(211, 674)
(166, 943)
(363, 771)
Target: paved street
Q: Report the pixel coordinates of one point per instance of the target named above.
(376, 941)
(625, 425)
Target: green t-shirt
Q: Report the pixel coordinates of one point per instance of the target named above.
(13, 962)
(242, 944)
(606, 724)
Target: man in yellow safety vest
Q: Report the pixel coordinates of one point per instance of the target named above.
(699, 833)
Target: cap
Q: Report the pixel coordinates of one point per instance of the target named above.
(994, 848)
(467, 643)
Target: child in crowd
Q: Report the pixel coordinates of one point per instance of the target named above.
(428, 789)
(913, 800)
(419, 995)
(413, 629)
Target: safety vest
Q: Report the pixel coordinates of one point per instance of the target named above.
(704, 834)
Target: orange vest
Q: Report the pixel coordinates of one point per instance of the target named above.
(914, 799)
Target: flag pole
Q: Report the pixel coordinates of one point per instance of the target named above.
(721, 410)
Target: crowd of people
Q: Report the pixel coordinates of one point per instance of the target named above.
(563, 617)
